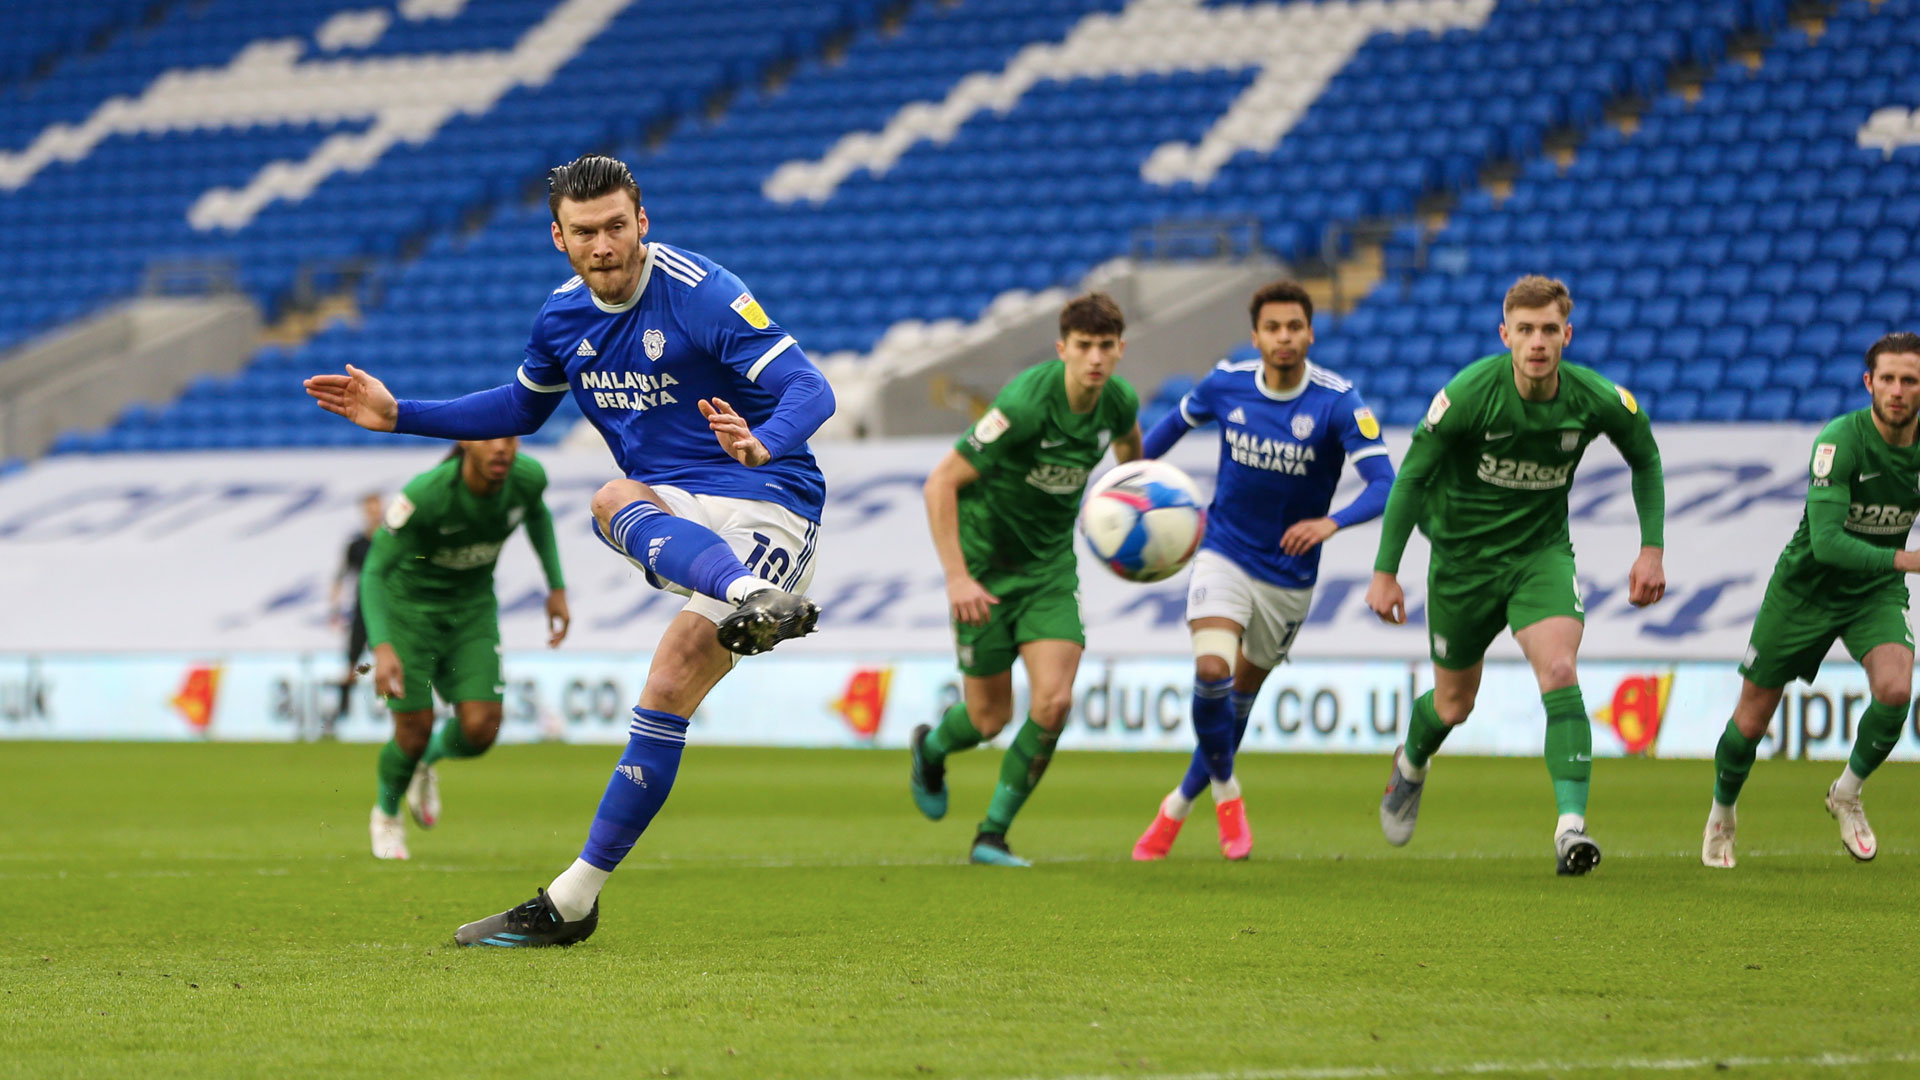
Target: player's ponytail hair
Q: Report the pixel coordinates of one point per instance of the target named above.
(1900, 341)
(589, 177)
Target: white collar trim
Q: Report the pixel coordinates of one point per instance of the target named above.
(1260, 380)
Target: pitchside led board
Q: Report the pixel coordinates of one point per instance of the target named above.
(145, 600)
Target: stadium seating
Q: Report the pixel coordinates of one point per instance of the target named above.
(1754, 235)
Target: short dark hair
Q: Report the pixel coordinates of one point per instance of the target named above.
(1280, 292)
(1536, 291)
(1900, 341)
(1095, 315)
(589, 177)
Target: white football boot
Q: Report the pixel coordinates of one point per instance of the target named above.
(1716, 841)
(389, 836)
(423, 797)
(1855, 834)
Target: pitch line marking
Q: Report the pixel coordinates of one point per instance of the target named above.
(1479, 1068)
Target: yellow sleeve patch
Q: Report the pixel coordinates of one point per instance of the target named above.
(1368, 425)
(1626, 398)
(749, 309)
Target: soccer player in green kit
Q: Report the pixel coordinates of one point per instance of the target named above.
(426, 593)
(1839, 577)
(1002, 505)
(1486, 478)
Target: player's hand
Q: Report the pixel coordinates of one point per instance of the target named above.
(734, 435)
(1385, 598)
(558, 618)
(971, 605)
(1647, 581)
(386, 673)
(357, 396)
(1303, 536)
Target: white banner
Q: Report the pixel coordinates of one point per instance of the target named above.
(1119, 703)
(231, 552)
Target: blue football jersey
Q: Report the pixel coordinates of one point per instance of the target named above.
(638, 370)
(1280, 460)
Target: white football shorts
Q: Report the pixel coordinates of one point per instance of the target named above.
(1218, 588)
(774, 542)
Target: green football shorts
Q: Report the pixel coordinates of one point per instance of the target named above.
(1468, 605)
(457, 654)
(1034, 606)
(1792, 634)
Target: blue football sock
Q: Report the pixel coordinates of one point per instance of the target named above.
(1213, 727)
(638, 788)
(684, 552)
(1242, 708)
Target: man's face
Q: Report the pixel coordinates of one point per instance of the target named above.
(1536, 336)
(1283, 334)
(371, 510)
(493, 457)
(1090, 358)
(602, 240)
(1895, 385)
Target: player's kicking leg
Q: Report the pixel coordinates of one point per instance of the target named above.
(1732, 761)
(469, 733)
(1890, 679)
(631, 518)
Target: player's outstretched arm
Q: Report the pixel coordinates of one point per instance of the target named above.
(357, 396)
(967, 601)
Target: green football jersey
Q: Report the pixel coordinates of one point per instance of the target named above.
(1034, 453)
(1499, 468)
(436, 550)
(1878, 485)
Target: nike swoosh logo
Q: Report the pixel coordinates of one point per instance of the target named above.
(1048, 444)
(1868, 475)
(1502, 435)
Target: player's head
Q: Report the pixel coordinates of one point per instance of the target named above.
(487, 460)
(598, 223)
(1282, 315)
(1536, 324)
(1091, 338)
(1893, 378)
(371, 509)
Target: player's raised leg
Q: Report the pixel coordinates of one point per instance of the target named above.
(687, 664)
(1890, 680)
(468, 733)
(632, 519)
(987, 697)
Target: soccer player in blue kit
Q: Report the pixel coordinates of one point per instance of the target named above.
(722, 504)
(1286, 425)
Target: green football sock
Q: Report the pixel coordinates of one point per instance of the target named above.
(1020, 773)
(1732, 761)
(395, 772)
(1425, 732)
(1569, 748)
(954, 732)
(450, 742)
(1878, 734)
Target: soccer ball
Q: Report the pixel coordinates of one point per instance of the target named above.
(1144, 520)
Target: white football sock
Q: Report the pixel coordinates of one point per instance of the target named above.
(741, 588)
(1176, 805)
(1849, 784)
(575, 890)
(1407, 770)
(1721, 815)
(1226, 790)
(1570, 821)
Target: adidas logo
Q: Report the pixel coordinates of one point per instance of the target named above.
(1237, 416)
(585, 349)
(653, 550)
(632, 772)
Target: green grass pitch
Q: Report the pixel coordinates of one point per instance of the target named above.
(211, 910)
